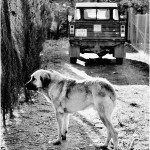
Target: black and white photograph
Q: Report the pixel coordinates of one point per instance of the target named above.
(75, 75)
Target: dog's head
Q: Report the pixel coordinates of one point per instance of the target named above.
(39, 80)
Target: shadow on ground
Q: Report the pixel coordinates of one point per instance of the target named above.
(131, 72)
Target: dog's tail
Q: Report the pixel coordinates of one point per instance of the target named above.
(112, 94)
(106, 86)
(109, 87)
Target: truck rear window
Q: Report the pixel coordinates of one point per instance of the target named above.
(115, 14)
(77, 14)
(99, 14)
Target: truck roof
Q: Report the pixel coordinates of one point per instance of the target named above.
(94, 4)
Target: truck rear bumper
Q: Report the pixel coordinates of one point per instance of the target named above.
(91, 43)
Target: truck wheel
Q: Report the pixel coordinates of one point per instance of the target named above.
(119, 61)
(73, 60)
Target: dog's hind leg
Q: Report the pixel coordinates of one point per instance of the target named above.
(111, 132)
(105, 107)
(65, 126)
(108, 133)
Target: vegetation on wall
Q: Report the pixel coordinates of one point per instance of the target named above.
(23, 33)
(11, 66)
(141, 6)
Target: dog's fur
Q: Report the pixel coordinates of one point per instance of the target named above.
(68, 96)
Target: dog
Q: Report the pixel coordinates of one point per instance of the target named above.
(69, 96)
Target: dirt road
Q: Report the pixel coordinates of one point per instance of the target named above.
(35, 125)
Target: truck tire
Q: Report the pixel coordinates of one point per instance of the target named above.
(73, 60)
(119, 61)
(120, 53)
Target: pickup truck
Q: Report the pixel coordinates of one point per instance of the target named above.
(98, 28)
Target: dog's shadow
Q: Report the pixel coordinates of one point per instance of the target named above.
(94, 147)
(101, 148)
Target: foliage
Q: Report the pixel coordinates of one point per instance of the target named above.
(23, 33)
(58, 23)
(11, 66)
(138, 5)
(33, 37)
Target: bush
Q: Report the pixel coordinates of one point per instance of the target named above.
(11, 66)
(23, 33)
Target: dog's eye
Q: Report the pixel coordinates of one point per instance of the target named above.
(33, 79)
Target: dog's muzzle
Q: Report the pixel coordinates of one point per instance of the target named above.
(31, 86)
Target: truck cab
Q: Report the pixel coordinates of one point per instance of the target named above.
(98, 28)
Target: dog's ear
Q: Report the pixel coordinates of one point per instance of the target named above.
(45, 80)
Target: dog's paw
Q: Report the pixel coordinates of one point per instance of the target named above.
(63, 137)
(57, 142)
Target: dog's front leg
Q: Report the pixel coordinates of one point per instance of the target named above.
(65, 125)
(59, 117)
